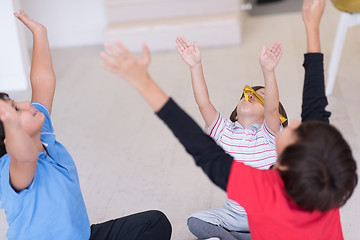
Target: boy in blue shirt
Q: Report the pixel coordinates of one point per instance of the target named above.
(39, 184)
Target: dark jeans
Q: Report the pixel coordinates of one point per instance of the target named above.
(140, 226)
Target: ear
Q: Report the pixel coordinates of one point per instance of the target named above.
(5, 141)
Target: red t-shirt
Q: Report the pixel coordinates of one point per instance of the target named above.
(271, 212)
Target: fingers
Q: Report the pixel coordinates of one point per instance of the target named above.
(276, 49)
(145, 57)
(186, 42)
(123, 49)
(34, 26)
(22, 16)
(109, 67)
(182, 44)
(196, 47)
(120, 53)
(321, 5)
(116, 53)
(179, 46)
(314, 5)
(118, 58)
(263, 50)
(179, 50)
(108, 60)
(23, 13)
(306, 4)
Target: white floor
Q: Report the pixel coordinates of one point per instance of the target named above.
(128, 161)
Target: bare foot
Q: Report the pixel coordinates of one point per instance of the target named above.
(31, 24)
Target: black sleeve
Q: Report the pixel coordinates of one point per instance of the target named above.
(314, 98)
(206, 153)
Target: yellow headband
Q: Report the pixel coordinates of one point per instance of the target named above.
(248, 89)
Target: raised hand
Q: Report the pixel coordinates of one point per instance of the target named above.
(270, 57)
(188, 52)
(134, 70)
(126, 65)
(312, 12)
(42, 76)
(31, 24)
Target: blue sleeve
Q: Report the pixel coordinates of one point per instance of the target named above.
(47, 126)
(7, 194)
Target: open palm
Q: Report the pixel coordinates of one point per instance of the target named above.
(270, 57)
(188, 52)
(31, 24)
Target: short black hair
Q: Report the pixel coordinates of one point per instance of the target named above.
(320, 171)
(3, 97)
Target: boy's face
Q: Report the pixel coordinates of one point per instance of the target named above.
(287, 136)
(252, 107)
(31, 120)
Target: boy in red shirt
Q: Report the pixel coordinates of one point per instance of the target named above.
(315, 174)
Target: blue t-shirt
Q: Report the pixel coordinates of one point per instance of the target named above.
(52, 207)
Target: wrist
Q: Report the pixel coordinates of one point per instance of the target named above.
(268, 71)
(312, 29)
(39, 30)
(144, 84)
(196, 66)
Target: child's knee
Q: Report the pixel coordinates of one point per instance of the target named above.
(193, 224)
(157, 216)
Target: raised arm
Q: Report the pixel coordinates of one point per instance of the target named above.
(206, 153)
(312, 12)
(192, 57)
(314, 98)
(269, 59)
(42, 75)
(19, 146)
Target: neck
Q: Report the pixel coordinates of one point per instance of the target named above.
(246, 121)
(38, 143)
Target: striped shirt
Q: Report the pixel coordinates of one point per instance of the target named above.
(254, 146)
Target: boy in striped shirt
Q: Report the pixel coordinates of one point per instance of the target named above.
(248, 136)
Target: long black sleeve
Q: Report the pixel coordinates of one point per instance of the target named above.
(206, 153)
(314, 98)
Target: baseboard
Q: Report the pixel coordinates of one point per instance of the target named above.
(209, 31)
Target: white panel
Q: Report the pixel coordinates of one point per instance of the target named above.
(13, 73)
(122, 11)
(161, 35)
(69, 23)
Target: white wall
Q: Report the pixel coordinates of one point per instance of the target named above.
(69, 22)
(14, 67)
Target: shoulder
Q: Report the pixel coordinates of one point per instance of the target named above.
(41, 108)
(47, 126)
(267, 133)
(214, 126)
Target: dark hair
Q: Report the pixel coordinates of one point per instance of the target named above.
(282, 111)
(320, 171)
(3, 96)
